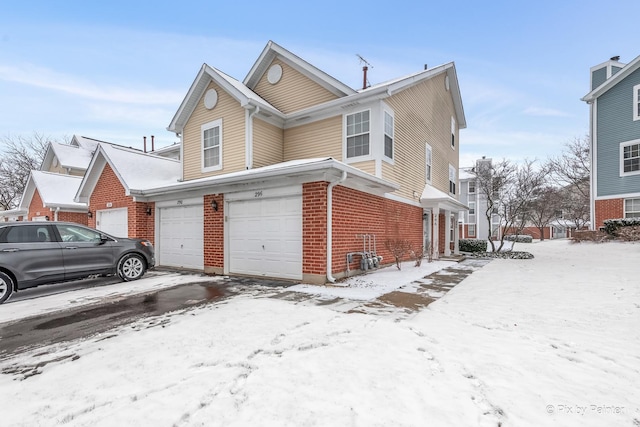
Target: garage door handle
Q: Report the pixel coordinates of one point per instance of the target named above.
(11, 250)
(71, 247)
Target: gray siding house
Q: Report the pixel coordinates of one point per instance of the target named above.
(614, 103)
(473, 223)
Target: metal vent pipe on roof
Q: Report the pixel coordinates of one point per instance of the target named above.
(144, 139)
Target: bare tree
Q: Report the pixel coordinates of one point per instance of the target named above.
(544, 207)
(18, 157)
(571, 172)
(508, 190)
(491, 178)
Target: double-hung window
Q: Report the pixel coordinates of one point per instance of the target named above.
(428, 157)
(636, 102)
(212, 146)
(453, 132)
(358, 134)
(472, 211)
(632, 208)
(472, 187)
(452, 179)
(388, 135)
(630, 158)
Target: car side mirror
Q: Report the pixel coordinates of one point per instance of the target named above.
(103, 239)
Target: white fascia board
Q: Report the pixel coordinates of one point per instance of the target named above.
(323, 166)
(332, 108)
(27, 194)
(613, 80)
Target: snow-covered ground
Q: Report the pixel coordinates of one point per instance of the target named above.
(550, 341)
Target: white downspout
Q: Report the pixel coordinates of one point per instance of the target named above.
(330, 277)
(55, 213)
(249, 138)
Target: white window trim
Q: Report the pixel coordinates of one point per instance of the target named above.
(474, 210)
(393, 136)
(469, 230)
(625, 207)
(204, 127)
(636, 101)
(469, 187)
(428, 161)
(622, 145)
(452, 173)
(453, 141)
(366, 157)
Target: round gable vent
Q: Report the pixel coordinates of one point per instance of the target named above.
(210, 99)
(274, 74)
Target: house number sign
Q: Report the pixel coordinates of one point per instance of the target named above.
(258, 194)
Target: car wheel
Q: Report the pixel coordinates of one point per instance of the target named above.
(6, 287)
(131, 267)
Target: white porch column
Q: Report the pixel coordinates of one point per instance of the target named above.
(435, 235)
(456, 234)
(447, 233)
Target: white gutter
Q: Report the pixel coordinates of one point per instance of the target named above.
(330, 277)
(248, 146)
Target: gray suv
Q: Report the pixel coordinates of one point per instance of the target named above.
(38, 253)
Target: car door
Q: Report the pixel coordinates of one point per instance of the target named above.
(32, 253)
(84, 252)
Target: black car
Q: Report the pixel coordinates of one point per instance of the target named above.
(38, 253)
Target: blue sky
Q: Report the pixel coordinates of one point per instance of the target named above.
(118, 70)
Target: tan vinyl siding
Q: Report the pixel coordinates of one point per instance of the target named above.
(233, 136)
(268, 147)
(293, 92)
(389, 173)
(422, 115)
(318, 139)
(369, 166)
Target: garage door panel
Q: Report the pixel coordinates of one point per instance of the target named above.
(181, 242)
(113, 221)
(265, 237)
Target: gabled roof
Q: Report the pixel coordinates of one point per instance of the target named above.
(273, 51)
(75, 155)
(613, 80)
(136, 170)
(387, 89)
(56, 191)
(241, 93)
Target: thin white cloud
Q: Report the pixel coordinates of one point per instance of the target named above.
(32, 75)
(545, 112)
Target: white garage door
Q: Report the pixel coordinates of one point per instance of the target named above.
(113, 221)
(265, 237)
(181, 237)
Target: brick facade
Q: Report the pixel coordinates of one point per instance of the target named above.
(608, 209)
(356, 213)
(214, 234)
(314, 228)
(36, 209)
(109, 189)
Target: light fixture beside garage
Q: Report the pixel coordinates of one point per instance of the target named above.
(89, 214)
(214, 205)
(148, 210)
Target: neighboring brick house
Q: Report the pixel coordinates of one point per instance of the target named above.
(614, 103)
(282, 174)
(49, 197)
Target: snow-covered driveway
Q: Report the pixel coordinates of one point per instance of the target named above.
(549, 341)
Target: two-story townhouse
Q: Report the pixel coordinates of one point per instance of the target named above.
(49, 192)
(473, 222)
(614, 102)
(285, 173)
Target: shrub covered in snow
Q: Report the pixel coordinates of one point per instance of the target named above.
(503, 255)
(520, 238)
(613, 226)
(473, 245)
